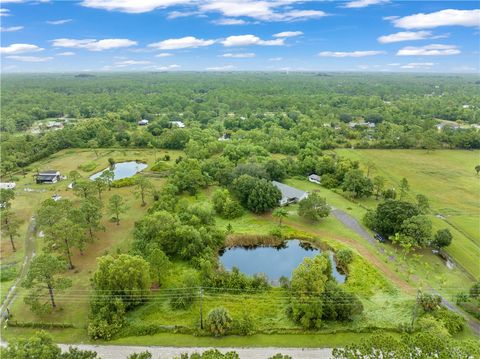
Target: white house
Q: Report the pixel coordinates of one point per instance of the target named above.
(314, 178)
(289, 194)
(179, 124)
(7, 185)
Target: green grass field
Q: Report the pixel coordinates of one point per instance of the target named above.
(449, 181)
(384, 286)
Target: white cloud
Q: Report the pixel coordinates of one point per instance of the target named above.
(259, 9)
(220, 68)
(447, 17)
(93, 44)
(405, 36)
(182, 43)
(244, 55)
(288, 34)
(177, 14)
(275, 59)
(418, 65)
(5, 12)
(67, 53)
(131, 63)
(164, 54)
(132, 6)
(229, 21)
(364, 3)
(58, 22)
(29, 58)
(19, 49)
(247, 40)
(350, 54)
(11, 28)
(167, 68)
(429, 50)
(301, 15)
(12, 1)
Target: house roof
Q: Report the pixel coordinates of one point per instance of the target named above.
(45, 177)
(289, 192)
(49, 172)
(314, 176)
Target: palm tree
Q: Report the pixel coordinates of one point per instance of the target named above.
(280, 213)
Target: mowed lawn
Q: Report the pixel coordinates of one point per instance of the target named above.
(448, 179)
(73, 303)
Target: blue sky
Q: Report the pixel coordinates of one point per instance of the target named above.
(240, 35)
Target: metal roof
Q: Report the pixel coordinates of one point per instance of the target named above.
(289, 192)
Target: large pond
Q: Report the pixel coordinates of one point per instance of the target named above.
(275, 262)
(123, 170)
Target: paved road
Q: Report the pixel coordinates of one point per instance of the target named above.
(121, 351)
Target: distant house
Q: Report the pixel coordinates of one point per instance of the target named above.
(143, 122)
(314, 178)
(50, 176)
(224, 137)
(7, 185)
(178, 124)
(54, 125)
(289, 194)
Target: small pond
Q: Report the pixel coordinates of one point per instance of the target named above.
(123, 170)
(275, 262)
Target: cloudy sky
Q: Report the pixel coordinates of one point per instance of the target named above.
(239, 35)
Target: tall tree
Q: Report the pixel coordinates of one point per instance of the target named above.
(404, 187)
(143, 186)
(116, 206)
(423, 204)
(43, 274)
(91, 214)
(108, 176)
(378, 185)
(6, 198)
(355, 182)
(314, 207)
(100, 185)
(84, 188)
(280, 213)
(63, 236)
(10, 225)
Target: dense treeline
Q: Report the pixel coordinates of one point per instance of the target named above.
(279, 113)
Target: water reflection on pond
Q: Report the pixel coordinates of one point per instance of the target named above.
(275, 262)
(123, 170)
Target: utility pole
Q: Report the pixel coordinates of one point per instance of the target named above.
(414, 314)
(201, 308)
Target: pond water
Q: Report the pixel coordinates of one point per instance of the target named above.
(123, 170)
(274, 262)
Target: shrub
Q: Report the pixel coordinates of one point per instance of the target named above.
(280, 356)
(187, 295)
(88, 166)
(124, 182)
(344, 257)
(452, 321)
(245, 324)
(219, 321)
(142, 355)
(8, 273)
(429, 302)
(160, 166)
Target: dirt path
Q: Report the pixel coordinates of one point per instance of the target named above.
(359, 247)
(121, 351)
(29, 254)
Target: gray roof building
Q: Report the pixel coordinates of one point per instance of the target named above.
(289, 194)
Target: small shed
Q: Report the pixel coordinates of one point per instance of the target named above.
(143, 122)
(50, 176)
(314, 178)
